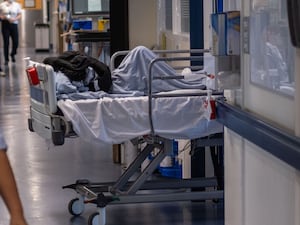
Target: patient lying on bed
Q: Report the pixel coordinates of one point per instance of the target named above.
(129, 79)
(132, 75)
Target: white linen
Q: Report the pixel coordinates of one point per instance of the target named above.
(115, 120)
(131, 76)
(131, 79)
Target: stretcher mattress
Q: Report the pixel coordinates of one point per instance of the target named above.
(115, 120)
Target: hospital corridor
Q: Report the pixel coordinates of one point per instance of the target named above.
(42, 169)
(152, 112)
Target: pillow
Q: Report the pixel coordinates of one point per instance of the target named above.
(63, 84)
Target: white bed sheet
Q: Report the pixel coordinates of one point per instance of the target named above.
(115, 120)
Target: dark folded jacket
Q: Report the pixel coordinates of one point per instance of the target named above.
(74, 64)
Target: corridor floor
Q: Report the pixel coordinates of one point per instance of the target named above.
(41, 169)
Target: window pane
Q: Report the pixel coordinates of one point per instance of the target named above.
(169, 21)
(185, 15)
(271, 52)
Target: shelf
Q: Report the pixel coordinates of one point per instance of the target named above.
(89, 36)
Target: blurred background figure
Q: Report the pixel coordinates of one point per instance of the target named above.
(10, 13)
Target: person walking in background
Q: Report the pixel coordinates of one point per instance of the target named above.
(10, 14)
(8, 187)
(2, 74)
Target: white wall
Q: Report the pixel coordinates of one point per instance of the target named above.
(182, 41)
(142, 23)
(207, 28)
(145, 25)
(260, 188)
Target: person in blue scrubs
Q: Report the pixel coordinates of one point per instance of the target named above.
(8, 187)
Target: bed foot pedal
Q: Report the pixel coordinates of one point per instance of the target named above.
(102, 201)
(83, 182)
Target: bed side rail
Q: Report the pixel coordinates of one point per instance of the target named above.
(196, 55)
(160, 53)
(44, 118)
(43, 92)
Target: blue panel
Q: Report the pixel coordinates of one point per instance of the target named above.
(196, 26)
(37, 94)
(197, 42)
(219, 6)
(273, 140)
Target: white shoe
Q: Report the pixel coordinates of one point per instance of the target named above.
(2, 74)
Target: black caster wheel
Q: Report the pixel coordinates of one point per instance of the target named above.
(58, 138)
(76, 207)
(94, 219)
(30, 127)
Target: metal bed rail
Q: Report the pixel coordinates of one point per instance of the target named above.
(158, 52)
(198, 57)
(195, 55)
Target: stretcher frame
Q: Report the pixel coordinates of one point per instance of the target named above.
(48, 122)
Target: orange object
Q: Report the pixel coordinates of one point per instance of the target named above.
(32, 75)
(102, 25)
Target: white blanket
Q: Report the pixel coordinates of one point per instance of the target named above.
(131, 76)
(115, 120)
(123, 114)
(131, 79)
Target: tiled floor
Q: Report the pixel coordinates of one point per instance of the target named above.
(42, 169)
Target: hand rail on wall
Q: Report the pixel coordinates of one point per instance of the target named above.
(273, 140)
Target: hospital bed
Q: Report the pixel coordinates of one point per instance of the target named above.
(153, 120)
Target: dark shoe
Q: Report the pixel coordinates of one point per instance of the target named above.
(6, 63)
(13, 59)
